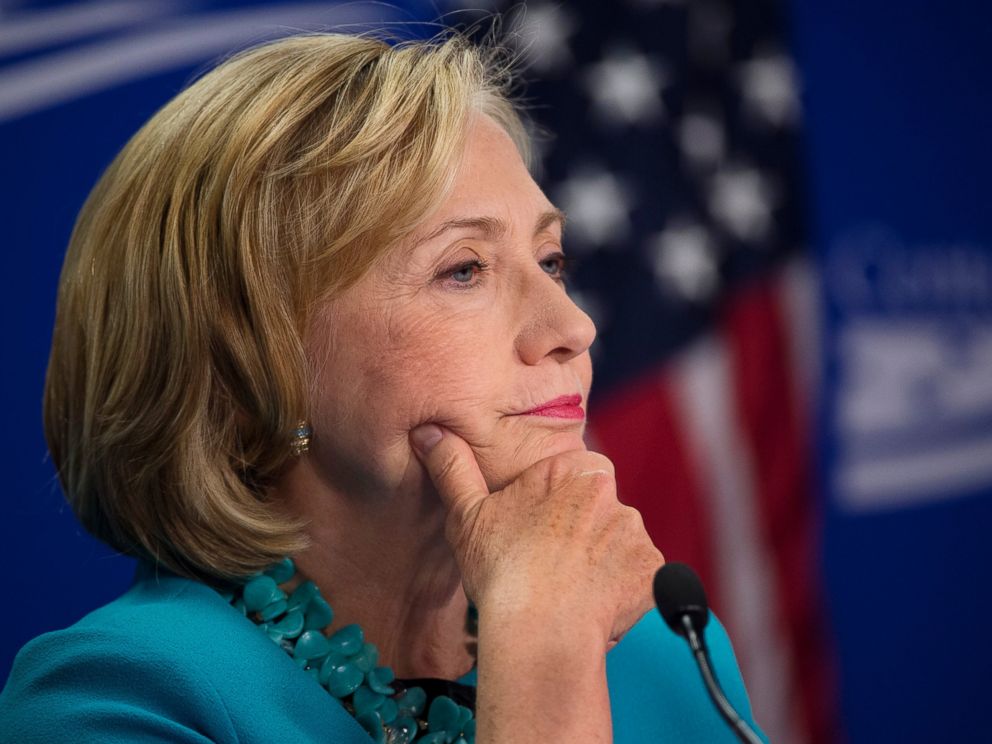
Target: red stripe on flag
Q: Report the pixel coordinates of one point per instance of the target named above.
(775, 428)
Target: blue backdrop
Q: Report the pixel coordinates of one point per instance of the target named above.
(897, 124)
(897, 114)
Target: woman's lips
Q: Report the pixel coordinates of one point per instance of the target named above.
(563, 407)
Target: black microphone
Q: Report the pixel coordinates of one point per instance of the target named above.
(679, 594)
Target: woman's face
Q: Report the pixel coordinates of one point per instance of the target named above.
(467, 325)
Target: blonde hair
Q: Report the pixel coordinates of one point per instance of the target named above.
(177, 369)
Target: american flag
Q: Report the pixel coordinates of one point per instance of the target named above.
(673, 149)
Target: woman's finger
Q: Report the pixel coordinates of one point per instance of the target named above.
(451, 465)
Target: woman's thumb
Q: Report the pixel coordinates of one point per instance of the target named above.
(451, 465)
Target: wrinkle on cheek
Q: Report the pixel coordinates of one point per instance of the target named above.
(422, 383)
(414, 335)
(468, 416)
(431, 361)
(341, 367)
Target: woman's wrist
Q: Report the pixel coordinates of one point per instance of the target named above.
(518, 601)
(541, 678)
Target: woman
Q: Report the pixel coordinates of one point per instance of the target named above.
(315, 308)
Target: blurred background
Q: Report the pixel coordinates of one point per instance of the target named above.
(780, 211)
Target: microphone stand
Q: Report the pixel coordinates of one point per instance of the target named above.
(744, 732)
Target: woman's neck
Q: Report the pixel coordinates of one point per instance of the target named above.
(383, 562)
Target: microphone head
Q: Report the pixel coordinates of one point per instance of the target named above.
(677, 592)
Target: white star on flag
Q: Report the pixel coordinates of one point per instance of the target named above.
(684, 256)
(596, 203)
(741, 200)
(625, 87)
(541, 33)
(769, 88)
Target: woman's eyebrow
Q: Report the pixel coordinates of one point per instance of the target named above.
(493, 228)
(547, 219)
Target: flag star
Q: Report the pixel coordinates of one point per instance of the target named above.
(626, 87)
(541, 33)
(597, 205)
(741, 199)
(770, 89)
(702, 139)
(685, 262)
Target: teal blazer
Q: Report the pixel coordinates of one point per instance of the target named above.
(171, 661)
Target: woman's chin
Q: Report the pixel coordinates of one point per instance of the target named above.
(503, 465)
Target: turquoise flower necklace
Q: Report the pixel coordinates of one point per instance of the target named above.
(346, 665)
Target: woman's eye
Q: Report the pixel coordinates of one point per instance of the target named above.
(556, 265)
(465, 274)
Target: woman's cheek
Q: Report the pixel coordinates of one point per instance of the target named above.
(447, 383)
(415, 394)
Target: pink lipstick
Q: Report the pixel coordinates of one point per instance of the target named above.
(564, 407)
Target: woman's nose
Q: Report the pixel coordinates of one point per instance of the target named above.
(553, 325)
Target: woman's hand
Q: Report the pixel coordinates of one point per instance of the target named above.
(559, 569)
(554, 543)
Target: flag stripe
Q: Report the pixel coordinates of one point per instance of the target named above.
(768, 387)
(747, 593)
(800, 310)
